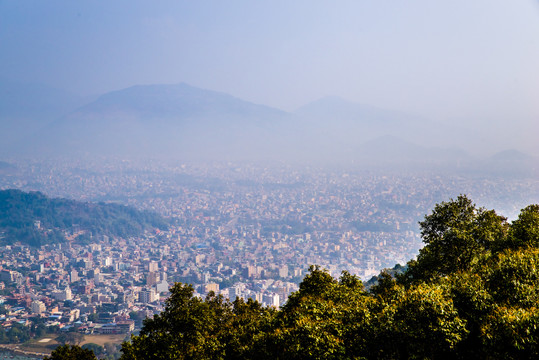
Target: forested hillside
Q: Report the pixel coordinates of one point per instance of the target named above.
(472, 293)
(35, 219)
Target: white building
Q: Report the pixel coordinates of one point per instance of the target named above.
(271, 300)
(162, 287)
(62, 295)
(37, 307)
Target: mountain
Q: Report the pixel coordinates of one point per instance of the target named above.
(369, 135)
(180, 101)
(509, 163)
(333, 120)
(27, 107)
(350, 123)
(21, 212)
(165, 121)
(512, 155)
(338, 110)
(188, 123)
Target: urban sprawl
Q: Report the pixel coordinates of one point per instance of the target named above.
(238, 230)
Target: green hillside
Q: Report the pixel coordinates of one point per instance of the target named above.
(472, 293)
(20, 211)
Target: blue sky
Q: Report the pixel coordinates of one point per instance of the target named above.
(447, 60)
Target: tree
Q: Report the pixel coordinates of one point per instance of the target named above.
(323, 320)
(74, 338)
(512, 333)
(96, 349)
(71, 352)
(245, 334)
(194, 328)
(420, 323)
(525, 230)
(455, 234)
(512, 278)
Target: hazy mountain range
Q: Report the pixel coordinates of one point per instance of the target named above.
(188, 123)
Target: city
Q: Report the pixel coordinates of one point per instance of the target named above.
(237, 230)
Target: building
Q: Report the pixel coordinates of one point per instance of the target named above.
(7, 276)
(283, 271)
(271, 300)
(120, 327)
(148, 296)
(125, 326)
(152, 278)
(153, 266)
(37, 307)
(74, 276)
(233, 293)
(162, 287)
(107, 261)
(62, 295)
(212, 287)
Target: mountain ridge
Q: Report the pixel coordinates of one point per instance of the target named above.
(185, 122)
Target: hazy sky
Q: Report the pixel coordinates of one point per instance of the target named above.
(457, 59)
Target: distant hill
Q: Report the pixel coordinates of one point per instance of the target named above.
(346, 122)
(20, 210)
(184, 122)
(165, 121)
(176, 102)
(512, 155)
(511, 163)
(338, 110)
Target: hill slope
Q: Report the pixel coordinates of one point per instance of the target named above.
(20, 212)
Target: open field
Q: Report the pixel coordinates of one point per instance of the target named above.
(39, 345)
(102, 339)
(47, 343)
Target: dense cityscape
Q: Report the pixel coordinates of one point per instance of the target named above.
(237, 230)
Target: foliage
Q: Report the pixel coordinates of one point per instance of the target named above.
(96, 349)
(15, 334)
(472, 293)
(193, 328)
(454, 234)
(71, 352)
(525, 230)
(74, 338)
(321, 320)
(420, 322)
(19, 210)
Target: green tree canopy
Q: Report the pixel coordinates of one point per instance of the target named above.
(455, 233)
(71, 352)
(195, 328)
